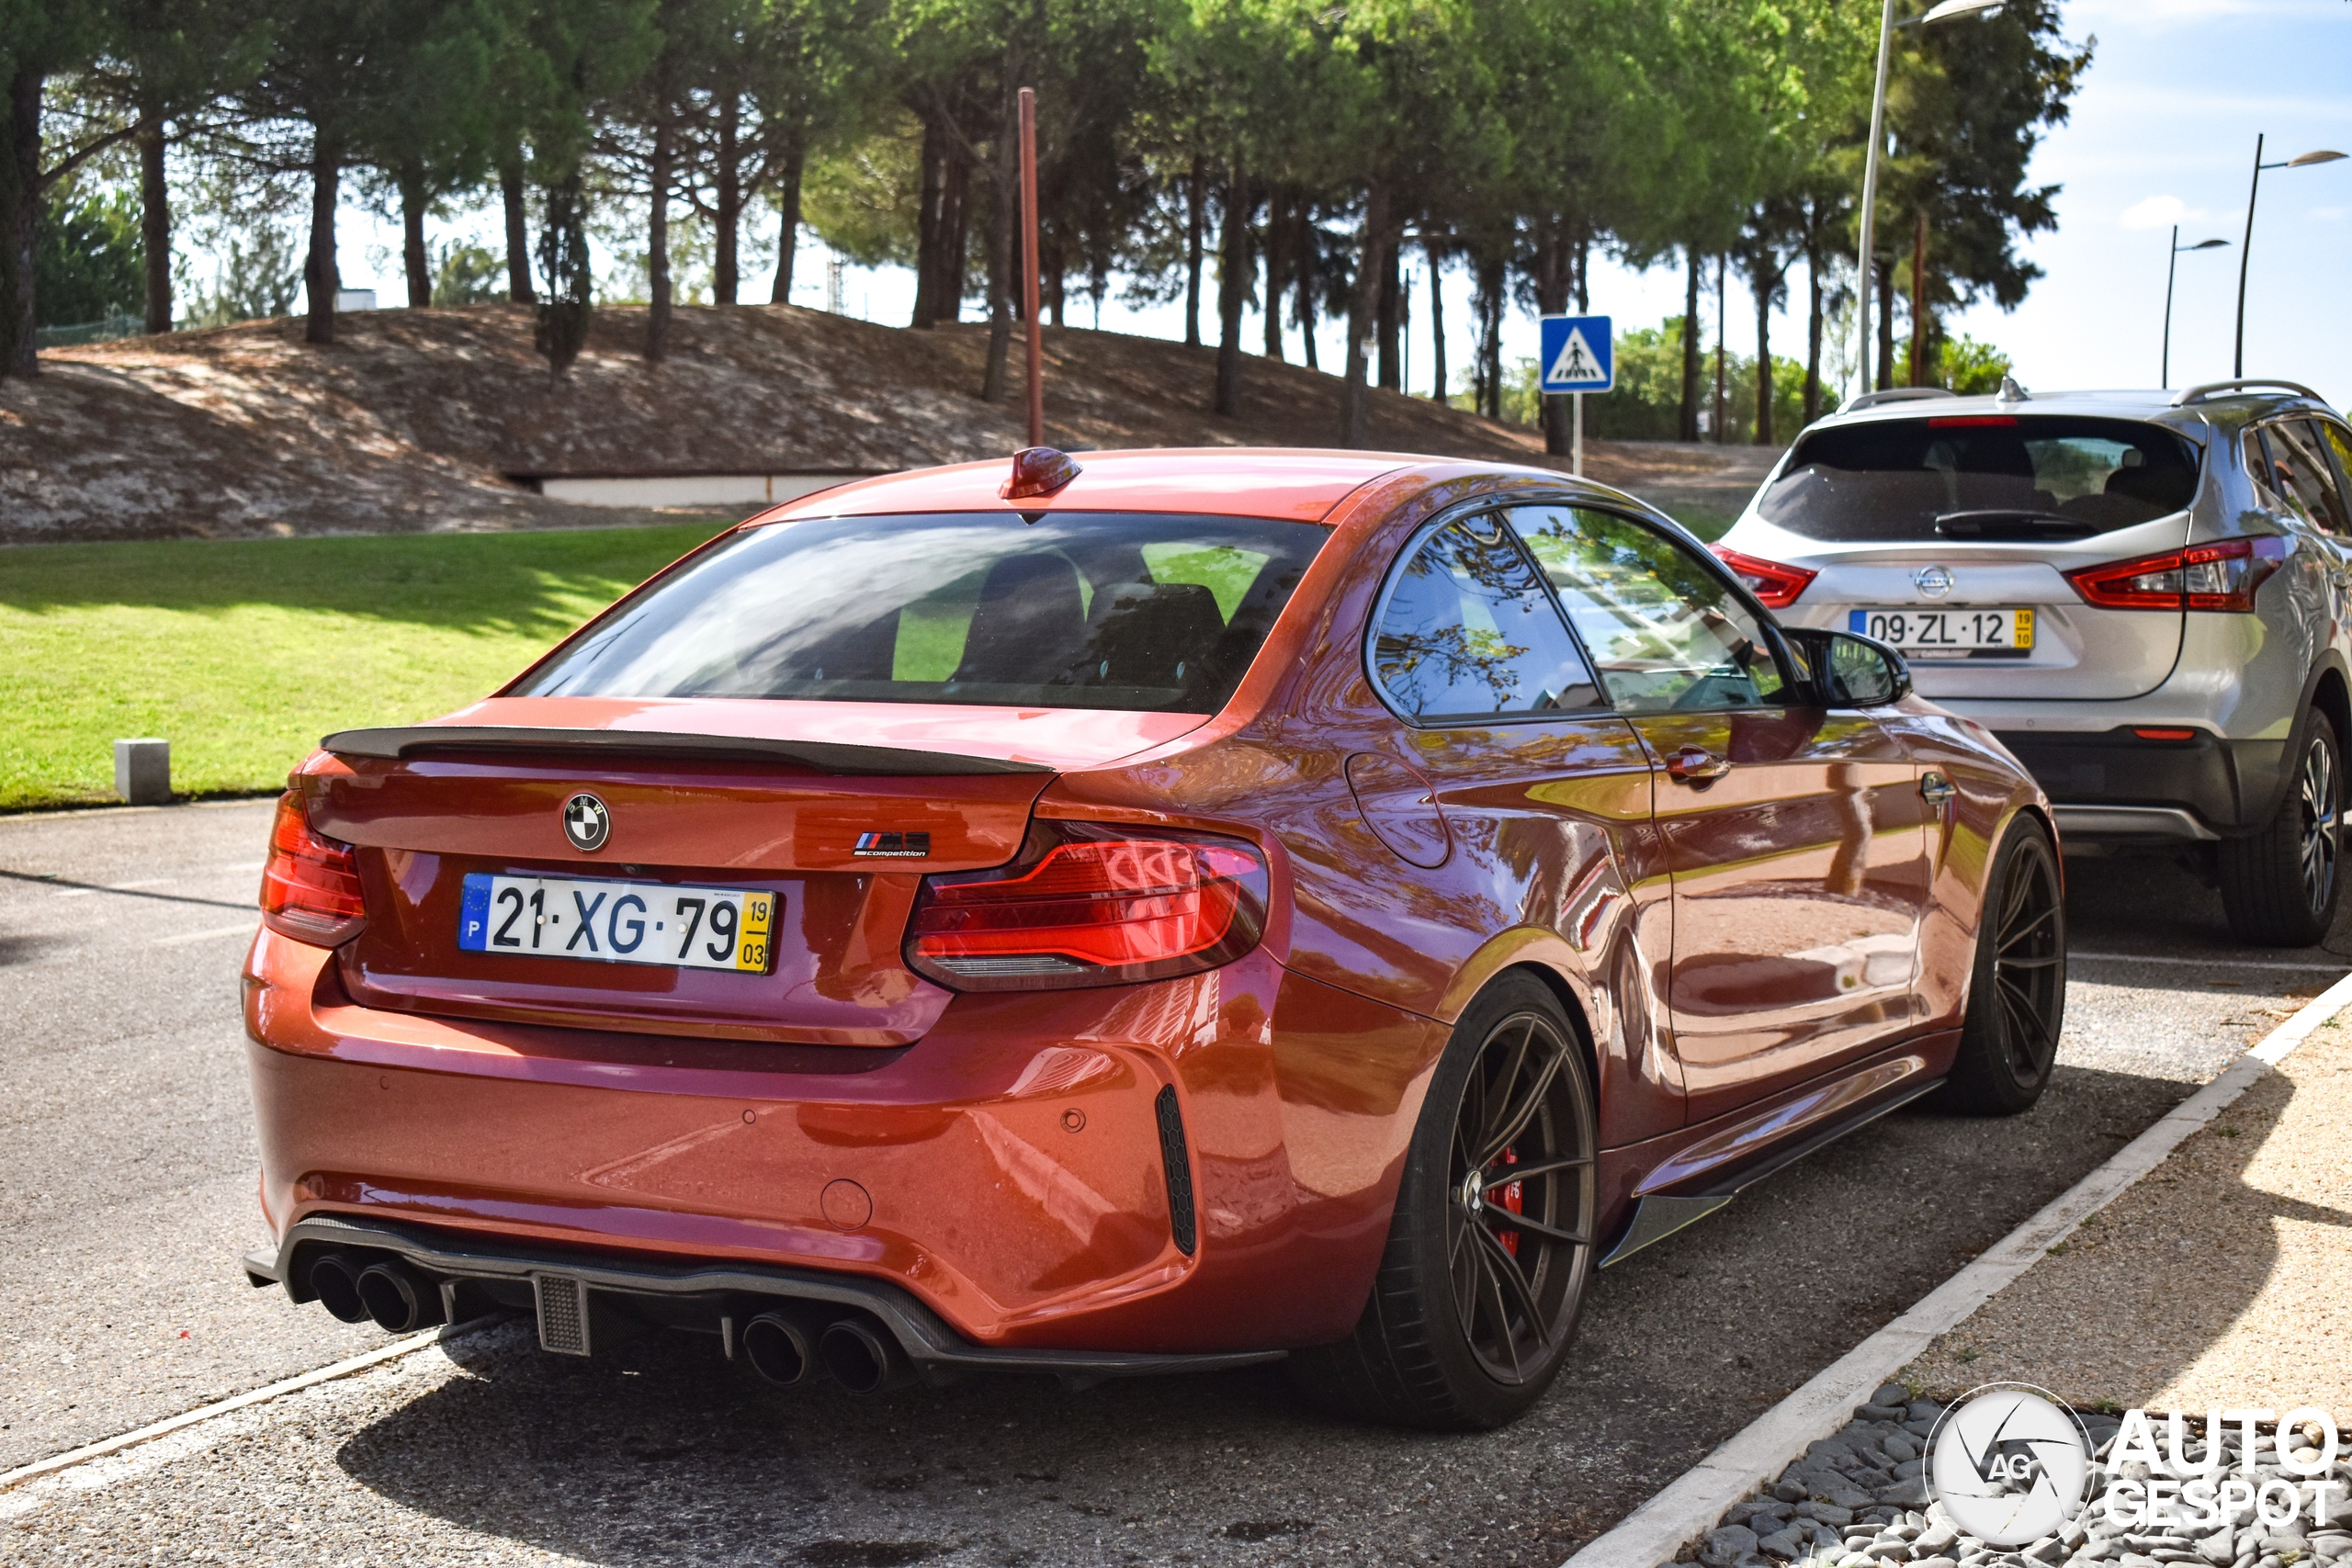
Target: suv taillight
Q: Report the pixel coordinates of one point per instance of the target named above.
(1776, 586)
(309, 886)
(2219, 576)
(1091, 904)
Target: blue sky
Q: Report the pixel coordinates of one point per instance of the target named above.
(2162, 130)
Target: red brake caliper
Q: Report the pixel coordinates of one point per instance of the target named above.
(1513, 1200)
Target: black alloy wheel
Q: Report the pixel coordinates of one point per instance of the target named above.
(2017, 1002)
(1518, 1231)
(1492, 1247)
(2280, 886)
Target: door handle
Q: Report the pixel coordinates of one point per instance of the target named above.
(1936, 789)
(1697, 766)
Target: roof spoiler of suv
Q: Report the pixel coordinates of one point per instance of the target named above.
(1894, 395)
(825, 756)
(2213, 388)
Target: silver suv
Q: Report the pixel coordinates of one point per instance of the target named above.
(2147, 596)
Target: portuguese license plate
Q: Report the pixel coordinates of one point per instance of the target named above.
(621, 922)
(1949, 634)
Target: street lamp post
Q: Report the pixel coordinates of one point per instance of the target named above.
(2171, 265)
(1944, 11)
(2245, 251)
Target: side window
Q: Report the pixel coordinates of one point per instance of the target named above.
(2296, 444)
(1468, 633)
(1664, 631)
(2265, 466)
(2339, 441)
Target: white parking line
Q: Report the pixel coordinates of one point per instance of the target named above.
(243, 928)
(2284, 965)
(344, 1368)
(1690, 1506)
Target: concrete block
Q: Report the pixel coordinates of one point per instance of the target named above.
(142, 772)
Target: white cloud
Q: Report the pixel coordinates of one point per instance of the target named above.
(2155, 212)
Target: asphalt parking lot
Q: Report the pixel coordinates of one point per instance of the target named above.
(126, 1196)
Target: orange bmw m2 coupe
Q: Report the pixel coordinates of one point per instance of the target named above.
(1151, 911)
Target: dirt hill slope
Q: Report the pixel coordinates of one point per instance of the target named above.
(434, 420)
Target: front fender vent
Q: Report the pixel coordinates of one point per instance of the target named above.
(1177, 1160)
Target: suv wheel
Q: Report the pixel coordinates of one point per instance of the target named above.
(1491, 1248)
(2279, 885)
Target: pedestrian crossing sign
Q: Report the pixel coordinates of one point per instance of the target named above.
(1578, 354)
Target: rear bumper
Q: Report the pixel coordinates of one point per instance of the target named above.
(1006, 1174)
(2113, 786)
(473, 1273)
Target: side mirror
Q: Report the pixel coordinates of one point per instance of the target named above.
(1846, 670)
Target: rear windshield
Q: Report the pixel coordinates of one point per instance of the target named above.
(1078, 610)
(1981, 477)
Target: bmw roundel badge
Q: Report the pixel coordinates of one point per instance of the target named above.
(586, 822)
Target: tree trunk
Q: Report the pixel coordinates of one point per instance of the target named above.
(321, 276)
(1813, 329)
(957, 199)
(1391, 302)
(155, 221)
(1196, 196)
(19, 222)
(1767, 281)
(787, 201)
(1885, 271)
(1277, 259)
(1363, 309)
(1056, 263)
(1687, 425)
(1232, 286)
(1722, 410)
(1304, 260)
(518, 230)
(930, 225)
(1436, 249)
(1584, 272)
(1001, 243)
(656, 229)
(1553, 410)
(1919, 377)
(415, 262)
(1491, 279)
(726, 202)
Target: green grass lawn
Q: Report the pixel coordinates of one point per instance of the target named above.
(242, 654)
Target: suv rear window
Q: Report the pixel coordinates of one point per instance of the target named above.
(1078, 610)
(1981, 477)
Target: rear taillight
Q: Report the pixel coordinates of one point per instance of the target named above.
(1091, 904)
(309, 886)
(1775, 586)
(2220, 576)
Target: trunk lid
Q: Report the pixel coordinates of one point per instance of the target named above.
(2079, 651)
(837, 809)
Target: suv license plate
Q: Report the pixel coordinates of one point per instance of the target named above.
(1949, 634)
(621, 922)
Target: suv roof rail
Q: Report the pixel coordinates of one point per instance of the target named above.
(2198, 394)
(1894, 395)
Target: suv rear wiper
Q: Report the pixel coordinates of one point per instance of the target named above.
(2009, 523)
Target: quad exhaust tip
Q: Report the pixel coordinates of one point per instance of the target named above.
(778, 1349)
(400, 1299)
(860, 1360)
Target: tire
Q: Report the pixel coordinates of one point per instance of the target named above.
(2280, 886)
(1470, 1317)
(2017, 989)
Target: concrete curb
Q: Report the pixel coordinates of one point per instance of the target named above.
(187, 1419)
(1691, 1504)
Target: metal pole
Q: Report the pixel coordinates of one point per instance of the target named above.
(1036, 333)
(1869, 196)
(2172, 266)
(1576, 439)
(2237, 359)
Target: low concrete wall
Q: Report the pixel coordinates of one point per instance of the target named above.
(687, 489)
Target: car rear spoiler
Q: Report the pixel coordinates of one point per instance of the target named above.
(825, 756)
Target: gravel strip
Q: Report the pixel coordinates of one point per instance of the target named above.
(1856, 1500)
